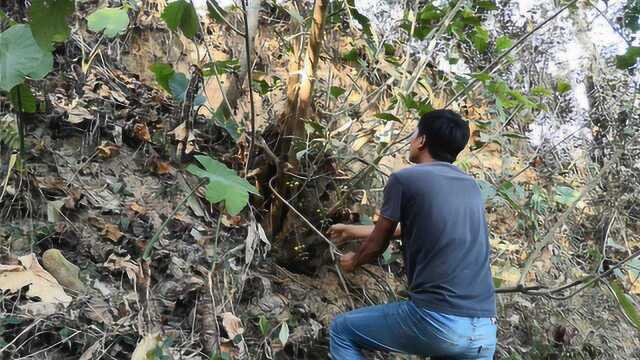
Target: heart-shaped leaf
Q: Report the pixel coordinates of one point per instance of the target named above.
(163, 73)
(181, 14)
(224, 184)
(21, 57)
(112, 21)
(48, 21)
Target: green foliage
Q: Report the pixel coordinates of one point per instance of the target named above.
(503, 43)
(629, 58)
(486, 5)
(163, 73)
(361, 19)
(175, 83)
(261, 86)
(48, 23)
(215, 11)
(422, 107)
(224, 184)
(22, 99)
(566, 195)
(284, 333)
(21, 57)
(178, 85)
(181, 15)
(628, 307)
(221, 67)
(5, 19)
(541, 91)
(351, 55)
(563, 87)
(631, 17)
(482, 76)
(264, 325)
(512, 194)
(228, 124)
(336, 91)
(111, 21)
(538, 201)
(480, 38)
(387, 117)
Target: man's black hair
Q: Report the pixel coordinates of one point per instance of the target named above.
(446, 134)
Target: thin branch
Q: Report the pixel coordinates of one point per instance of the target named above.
(247, 44)
(210, 5)
(541, 290)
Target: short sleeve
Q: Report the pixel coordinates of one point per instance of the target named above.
(392, 200)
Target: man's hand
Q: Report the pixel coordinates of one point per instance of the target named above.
(341, 233)
(348, 262)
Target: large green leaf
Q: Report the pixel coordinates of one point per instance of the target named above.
(480, 38)
(626, 304)
(22, 99)
(629, 58)
(163, 73)
(21, 57)
(566, 195)
(178, 84)
(112, 21)
(227, 123)
(181, 14)
(48, 22)
(503, 43)
(224, 184)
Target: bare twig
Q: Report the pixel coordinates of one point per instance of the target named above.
(541, 290)
(247, 44)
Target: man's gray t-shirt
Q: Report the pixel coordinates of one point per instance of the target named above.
(445, 242)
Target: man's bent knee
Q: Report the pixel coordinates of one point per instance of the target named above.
(337, 326)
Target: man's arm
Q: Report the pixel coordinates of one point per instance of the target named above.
(372, 247)
(342, 233)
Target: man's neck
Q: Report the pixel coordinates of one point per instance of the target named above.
(424, 158)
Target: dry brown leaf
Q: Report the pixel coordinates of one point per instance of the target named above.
(231, 221)
(141, 132)
(115, 262)
(106, 150)
(180, 132)
(78, 114)
(41, 284)
(232, 324)
(163, 167)
(507, 273)
(111, 232)
(137, 208)
(359, 142)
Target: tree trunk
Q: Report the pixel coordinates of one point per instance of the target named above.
(300, 84)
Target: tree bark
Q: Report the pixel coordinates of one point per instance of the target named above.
(300, 84)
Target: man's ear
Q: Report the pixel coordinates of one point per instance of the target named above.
(422, 142)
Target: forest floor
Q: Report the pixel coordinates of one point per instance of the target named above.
(98, 186)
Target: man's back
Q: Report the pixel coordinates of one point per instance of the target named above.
(445, 240)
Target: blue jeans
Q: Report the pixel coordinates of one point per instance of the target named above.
(405, 328)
